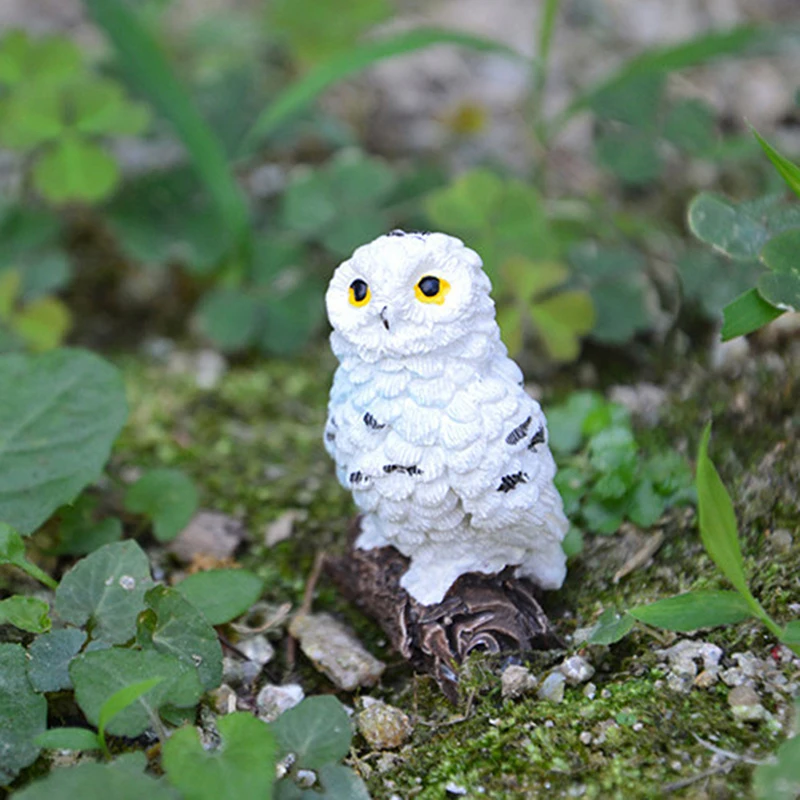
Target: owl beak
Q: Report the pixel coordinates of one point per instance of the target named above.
(383, 317)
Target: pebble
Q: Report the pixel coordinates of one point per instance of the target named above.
(223, 699)
(335, 651)
(238, 673)
(273, 700)
(552, 687)
(746, 704)
(385, 727)
(590, 691)
(585, 738)
(209, 533)
(454, 788)
(576, 670)
(258, 649)
(706, 679)
(517, 681)
(781, 540)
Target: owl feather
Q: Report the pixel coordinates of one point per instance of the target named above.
(429, 424)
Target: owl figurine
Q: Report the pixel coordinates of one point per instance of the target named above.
(428, 421)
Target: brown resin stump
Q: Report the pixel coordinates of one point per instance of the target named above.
(486, 613)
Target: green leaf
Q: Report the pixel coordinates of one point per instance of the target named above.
(12, 551)
(635, 101)
(61, 412)
(317, 732)
(562, 320)
(31, 118)
(604, 516)
(789, 171)
(230, 317)
(75, 169)
(782, 252)
(23, 713)
(177, 628)
(730, 229)
(81, 537)
(106, 591)
(780, 780)
(10, 286)
(49, 656)
(692, 610)
(99, 674)
(168, 497)
(747, 313)
(221, 594)
(718, 528)
(42, 324)
(27, 613)
(341, 783)
(99, 106)
(118, 702)
(630, 154)
(68, 739)
(96, 781)
(565, 422)
(291, 318)
(781, 289)
(303, 92)
(611, 627)
(791, 633)
(242, 765)
(690, 125)
(142, 60)
(646, 506)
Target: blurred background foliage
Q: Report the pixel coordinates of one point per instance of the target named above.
(207, 174)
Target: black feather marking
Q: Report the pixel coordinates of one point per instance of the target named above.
(509, 482)
(519, 432)
(396, 232)
(411, 470)
(330, 436)
(371, 422)
(537, 438)
(356, 477)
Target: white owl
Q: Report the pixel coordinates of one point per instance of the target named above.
(428, 421)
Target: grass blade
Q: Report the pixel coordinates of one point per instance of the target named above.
(688, 612)
(117, 702)
(718, 528)
(738, 41)
(147, 67)
(747, 313)
(789, 171)
(301, 93)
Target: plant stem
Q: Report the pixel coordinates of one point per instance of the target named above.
(540, 68)
(39, 574)
(769, 623)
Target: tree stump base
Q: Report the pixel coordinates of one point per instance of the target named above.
(488, 613)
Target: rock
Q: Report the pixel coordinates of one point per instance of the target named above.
(590, 691)
(732, 677)
(746, 704)
(552, 687)
(706, 679)
(384, 727)
(781, 540)
(280, 529)
(273, 700)
(223, 699)
(643, 400)
(517, 681)
(576, 670)
(455, 789)
(335, 651)
(585, 738)
(238, 673)
(258, 649)
(209, 533)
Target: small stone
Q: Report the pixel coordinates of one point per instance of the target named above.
(576, 670)
(306, 778)
(552, 687)
(210, 366)
(732, 677)
(281, 529)
(239, 673)
(750, 665)
(454, 788)
(384, 727)
(517, 681)
(706, 679)
(589, 691)
(273, 700)
(781, 540)
(585, 738)
(223, 698)
(746, 704)
(258, 649)
(209, 533)
(637, 727)
(335, 651)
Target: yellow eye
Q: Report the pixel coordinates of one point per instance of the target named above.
(359, 293)
(431, 289)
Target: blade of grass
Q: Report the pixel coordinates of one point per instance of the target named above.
(118, 701)
(738, 41)
(747, 313)
(789, 171)
(147, 67)
(547, 24)
(301, 93)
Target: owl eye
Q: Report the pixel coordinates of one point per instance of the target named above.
(359, 293)
(431, 289)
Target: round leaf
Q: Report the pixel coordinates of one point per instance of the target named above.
(61, 412)
(168, 497)
(26, 613)
(241, 766)
(229, 317)
(221, 594)
(49, 656)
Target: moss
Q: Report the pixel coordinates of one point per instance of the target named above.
(253, 444)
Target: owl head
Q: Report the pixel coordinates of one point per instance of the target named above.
(407, 294)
